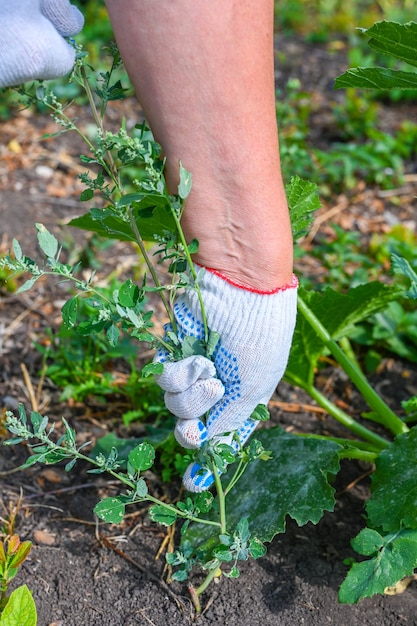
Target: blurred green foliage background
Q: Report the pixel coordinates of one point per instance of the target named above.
(314, 19)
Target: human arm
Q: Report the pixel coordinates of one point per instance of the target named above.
(204, 75)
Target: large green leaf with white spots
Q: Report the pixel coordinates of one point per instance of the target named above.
(295, 482)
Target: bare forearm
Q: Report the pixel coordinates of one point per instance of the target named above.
(203, 73)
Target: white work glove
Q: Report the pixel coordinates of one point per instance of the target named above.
(256, 330)
(32, 44)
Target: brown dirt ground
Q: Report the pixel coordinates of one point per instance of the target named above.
(84, 575)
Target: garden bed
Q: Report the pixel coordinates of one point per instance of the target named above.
(85, 574)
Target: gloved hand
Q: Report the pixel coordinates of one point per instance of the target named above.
(32, 44)
(256, 330)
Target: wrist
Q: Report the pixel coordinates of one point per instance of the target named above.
(258, 256)
(256, 269)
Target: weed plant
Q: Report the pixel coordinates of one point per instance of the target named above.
(349, 260)
(317, 20)
(359, 149)
(250, 506)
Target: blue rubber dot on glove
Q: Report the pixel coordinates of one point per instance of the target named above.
(196, 480)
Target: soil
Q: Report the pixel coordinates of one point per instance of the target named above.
(84, 574)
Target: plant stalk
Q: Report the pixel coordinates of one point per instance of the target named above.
(351, 444)
(206, 582)
(193, 273)
(115, 177)
(174, 509)
(388, 418)
(345, 419)
(221, 497)
(99, 122)
(151, 268)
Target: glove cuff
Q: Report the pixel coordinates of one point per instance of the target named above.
(291, 285)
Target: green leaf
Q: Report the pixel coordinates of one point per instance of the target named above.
(193, 246)
(87, 194)
(256, 548)
(34, 458)
(255, 450)
(153, 217)
(141, 488)
(162, 515)
(128, 294)
(185, 183)
(27, 285)
(134, 318)
(204, 501)
(142, 457)
(106, 225)
(295, 483)
(260, 413)
(191, 346)
(397, 40)
(242, 530)
(70, 465)
(338, 313)
(21, 554)
(69, 312)
(368, 542)
(17, 250)
(212, 343)
(394, 559)
(180, 575)
(402, 266)
(20, 609)
(410, 407)
(140, 336)
(234, 573)
(152, 369)
(48, 243)
(111, 510)
(302, 197)
(376, 78)
(130, 198)
(223, 553)
(113, 334)
(13, 441)
(393, 503)
(39, 423)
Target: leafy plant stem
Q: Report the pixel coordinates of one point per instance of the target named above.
(70, 125)
(180, 513)
(221, 498)
(236, 477)
(346, 419)
(206, 582)
(359, 446)
(387, 416)
(83, 286)
(360, 455)
(99, 121)
(80, 284)
(126, 481)
(192, 270)
(214, 570)
(347, 349)
(151, 268)
(195, 599)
